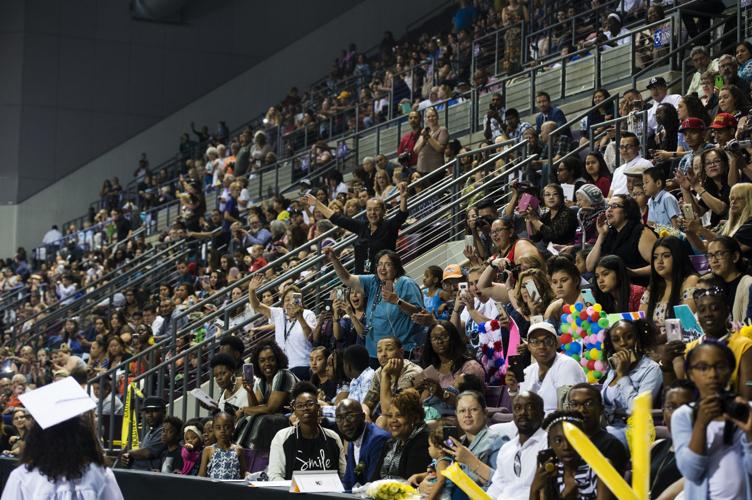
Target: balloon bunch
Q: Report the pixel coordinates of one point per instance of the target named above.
(492, 351)
(582, 337)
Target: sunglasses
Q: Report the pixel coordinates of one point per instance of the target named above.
(713, 291)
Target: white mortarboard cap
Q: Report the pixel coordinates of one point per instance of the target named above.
(57, 402)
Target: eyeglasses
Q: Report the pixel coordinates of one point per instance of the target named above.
(705, 368)
(440, 338)
(717, 255)
(713, 291)
(309, 405)
(614, 206)
(548, 342)
(713, 162)
(500, 230)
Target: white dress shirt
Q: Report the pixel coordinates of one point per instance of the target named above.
(505, 483)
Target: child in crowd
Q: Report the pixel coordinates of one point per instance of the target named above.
(433, 480)
(663, 209)
(191, 451)
(172, 461)
(208, 431)
(435, 298)
(223, 460)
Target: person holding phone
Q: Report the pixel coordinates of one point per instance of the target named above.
(431, 144)
(390, 297)
(558, 225)
(712, 441)
(632, 372)
(293, 325)
(622, 233)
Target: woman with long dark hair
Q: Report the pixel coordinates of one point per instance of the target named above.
(614, 290)
(667, 135)
(64, 460)
(672, 282)
(597, 172)
(728, 265)
(558, 224)
(445, 355)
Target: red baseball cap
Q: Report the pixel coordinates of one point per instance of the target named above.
(724, 120)
(692, 124)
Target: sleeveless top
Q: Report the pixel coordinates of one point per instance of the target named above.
(223, 464)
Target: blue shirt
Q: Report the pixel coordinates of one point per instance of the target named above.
(554, 115)
(384, 319)
(662, 208)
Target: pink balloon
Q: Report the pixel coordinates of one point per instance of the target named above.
(599, 366)
(600, 336)
(583, 361)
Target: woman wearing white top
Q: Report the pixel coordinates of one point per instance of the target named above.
(293, 325)
(63, 461)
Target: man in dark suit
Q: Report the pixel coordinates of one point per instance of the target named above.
(365, 442)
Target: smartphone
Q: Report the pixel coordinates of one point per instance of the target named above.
(546, 455)
(248, 373)
(327, 305)
(587, 295)
(340, 294)
(673, 329)
(515, 366)
(297, 299)
(611, 363)
(462, 286)
(469, 240)
(451, 432)
(688, 211)
(532, 291)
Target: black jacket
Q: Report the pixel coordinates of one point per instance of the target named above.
(414, 458)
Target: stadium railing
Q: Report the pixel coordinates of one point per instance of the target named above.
(437, 222)
(152, 269)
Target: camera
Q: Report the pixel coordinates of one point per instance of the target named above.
(504, 275)
(732, 407)
(404, 158)
(734, 146)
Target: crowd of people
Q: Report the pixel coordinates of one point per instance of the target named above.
(392, 376)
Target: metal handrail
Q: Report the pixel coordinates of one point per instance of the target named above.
(567, 126)
(675, 50)
(571, 20)
(156, 372)
(87, 297)
(315, 261)
(615, 121)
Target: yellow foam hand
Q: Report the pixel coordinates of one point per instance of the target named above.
(640, 440)
(463, 482)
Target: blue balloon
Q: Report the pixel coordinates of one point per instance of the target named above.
(579, 306)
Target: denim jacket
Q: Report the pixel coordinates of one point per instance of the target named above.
(695, 467)
(646, 376)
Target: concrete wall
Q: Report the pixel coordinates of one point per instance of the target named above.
(88, 76)
(299, 63)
